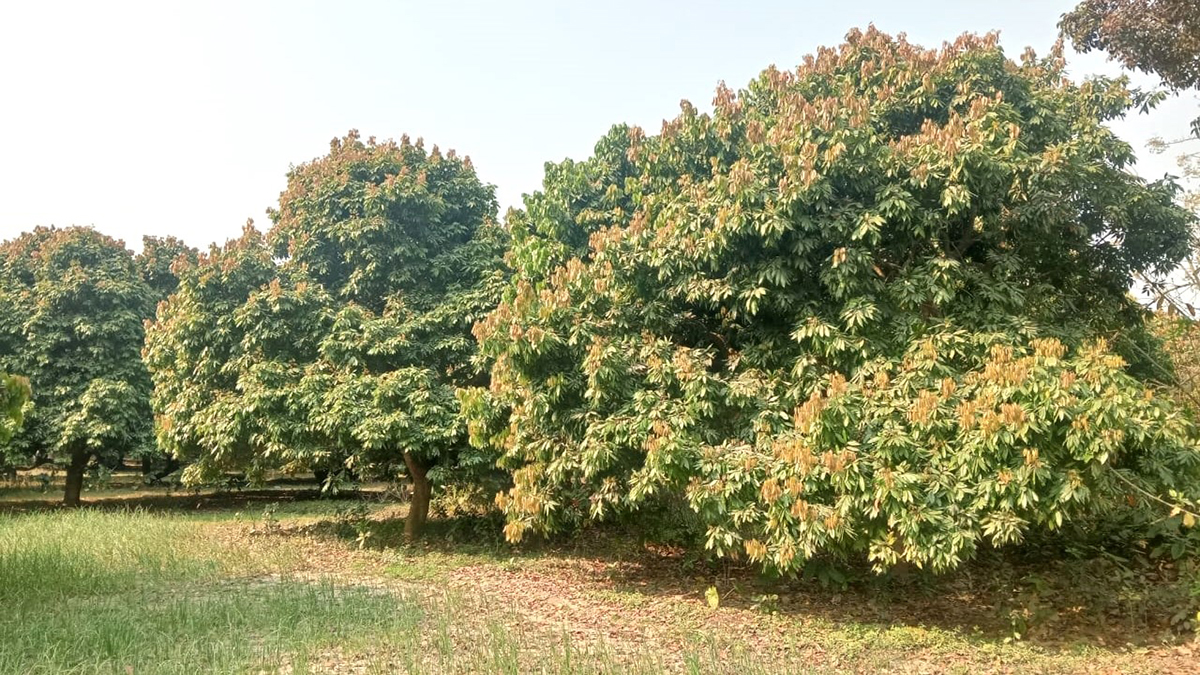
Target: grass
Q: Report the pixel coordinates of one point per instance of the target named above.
(243, 585)
(130, 591)
(90, 592)
(230, 628)
(53, 556)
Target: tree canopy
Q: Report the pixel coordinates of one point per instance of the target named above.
(1161, 37)
(156, 262)
(191, 350)
(72, 305)
(345, 353)
(873, 306)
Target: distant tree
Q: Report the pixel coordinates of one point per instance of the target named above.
(347, 354)
(194, 349)
(71, 310)
(1160, 37)
(156, 261)
(876, 306)
(159, 262)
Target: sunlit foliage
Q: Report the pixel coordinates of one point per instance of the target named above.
(875, 306)
(14, 394)
(338, 339)
(72, 305)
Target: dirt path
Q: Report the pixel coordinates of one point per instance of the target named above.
(636, 608)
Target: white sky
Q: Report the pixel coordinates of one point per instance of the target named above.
(183, 118)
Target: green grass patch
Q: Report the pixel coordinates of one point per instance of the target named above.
(99, 592)
(199, 629)
(52, 556)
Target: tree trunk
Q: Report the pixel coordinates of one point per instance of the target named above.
(152, 475)
(418, 508)
(168, 468)
(79, 462)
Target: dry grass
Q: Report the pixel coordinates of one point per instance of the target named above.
(313, 586)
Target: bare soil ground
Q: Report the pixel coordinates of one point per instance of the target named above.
(606, 594)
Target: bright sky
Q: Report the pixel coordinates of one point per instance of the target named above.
(164, 117)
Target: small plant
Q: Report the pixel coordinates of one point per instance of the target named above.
(826, 574)
(1188, 618)
(268, 522)
(767, 603)
(364, 531)
(338, 482)
(1032, 610)
(396, 491)
(457, 500)
(102, 477)
(355, 517)
(352, 514)
(713, 597)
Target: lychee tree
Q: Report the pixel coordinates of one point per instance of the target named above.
(875, 306)
(72, 305)
(158, 261)
(344, 347)
(193, 351)
(404, 243)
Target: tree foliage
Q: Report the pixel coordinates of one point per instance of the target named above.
(71, 310)
(860, 309)
(346, 353)
(156, 262)
(14, 394)
(1181, 346)
(159, 262)
(192, 351)
(1161, 37)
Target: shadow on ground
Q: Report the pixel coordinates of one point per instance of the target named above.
(1053, 602)
(1022, 593)
(208, 499)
